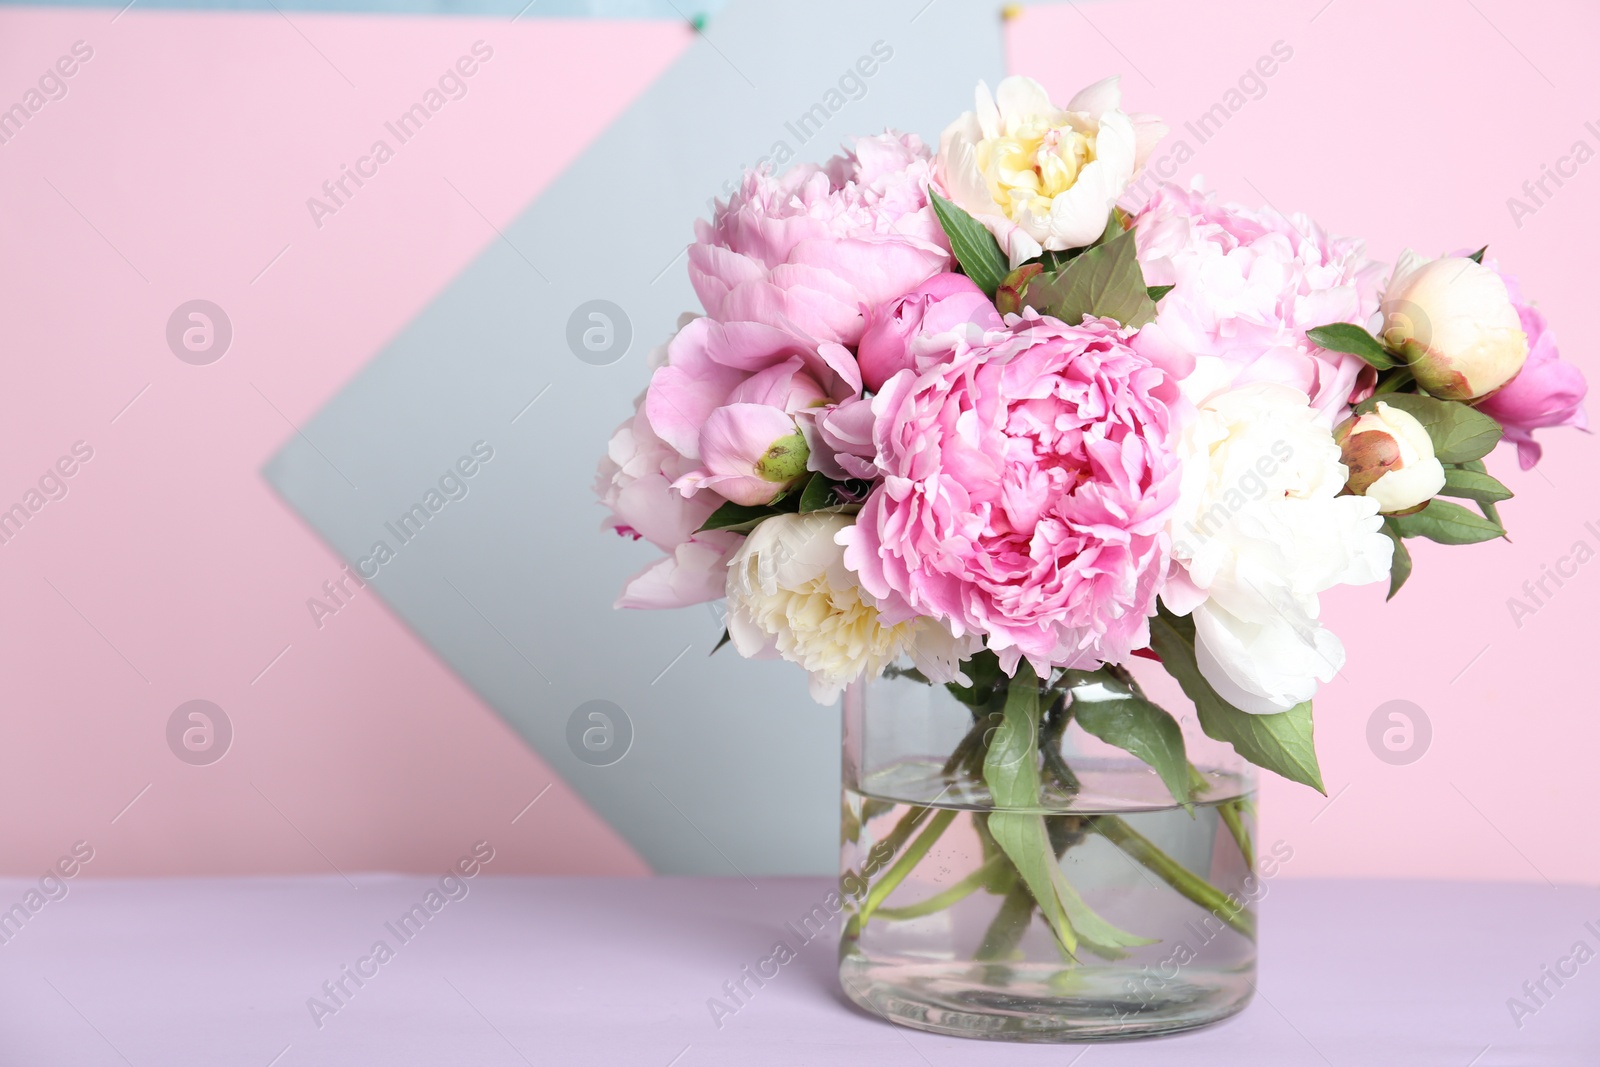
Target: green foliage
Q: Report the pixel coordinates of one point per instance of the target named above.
(984, 671)
(1281, 742)
(1400, 569)
(975, 248)
(1459, 432)
(1104, 281)
(1476, 486)
(1448, 524)
(1136, 725)
(742, 518)
(1011, 770)
(1347, 337)
(825, 494)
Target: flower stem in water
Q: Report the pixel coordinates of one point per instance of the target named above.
(973, 882)
(902, 867)
(1175, 874)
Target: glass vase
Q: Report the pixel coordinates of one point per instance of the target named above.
(1148, 919)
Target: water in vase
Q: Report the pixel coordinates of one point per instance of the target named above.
(943, 934)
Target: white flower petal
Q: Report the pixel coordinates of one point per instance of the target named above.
(1103, 95)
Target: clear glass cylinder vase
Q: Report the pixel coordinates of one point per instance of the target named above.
(1148, 924)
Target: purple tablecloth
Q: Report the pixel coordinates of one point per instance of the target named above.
(206, 973)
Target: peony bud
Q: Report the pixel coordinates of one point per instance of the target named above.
(1455, 324)
(1390, 459)
(784, 459)
(1008, 298)
(750, 453)
(942, 303)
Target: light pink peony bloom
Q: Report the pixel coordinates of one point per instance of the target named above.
(635, 483)
(1027, 486)
(695, 572)
(1248, 285)
(711, 364)
(706, 366)
(811, 250)
(942, 303)
(840, 440)
(1547, 391)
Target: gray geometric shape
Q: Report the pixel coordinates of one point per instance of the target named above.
(732, 768)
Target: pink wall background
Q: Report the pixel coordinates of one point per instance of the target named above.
(177, 167)
(1413, 123)
(184, 142)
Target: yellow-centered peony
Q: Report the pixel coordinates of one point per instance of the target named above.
(790, 595)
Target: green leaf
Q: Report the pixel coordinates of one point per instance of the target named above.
(983, 669)
(736, 517)
(1143, 729)
(1448, 524)
(974, 246)
(817, 495)
(1011, 768)
(1477, 257)
(724, 639)
(1158, 291)
(825, 494)
(1011, 771)
(1104, 281)
(1474, 485)
(1348, 337)
(1400, 569)
(741, 518)
(1026, 842)
(1459, 433)
(1490, 512)
(1281, 742)
(1093, 931)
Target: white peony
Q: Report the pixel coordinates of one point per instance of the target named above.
(790, 595)
(1259, 531)
(1040, 177)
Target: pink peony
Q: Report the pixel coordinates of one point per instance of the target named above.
(695, 572)
(1027, 485)
(657, 480)
(1248, 285)
(712, 364)
(1547, 391)
(840, 440)
(942, 303)
(812, 250)
(635, 483)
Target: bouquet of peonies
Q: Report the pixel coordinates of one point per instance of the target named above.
(963, 411)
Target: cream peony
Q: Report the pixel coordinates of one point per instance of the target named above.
(1390, 459)
(1455, 322)
(1259, 531)
(1040, 177)
(790, 595)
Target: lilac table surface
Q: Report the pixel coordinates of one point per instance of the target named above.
(220, 972)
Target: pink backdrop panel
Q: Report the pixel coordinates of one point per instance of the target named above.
(1413, 124)
(177, 166)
